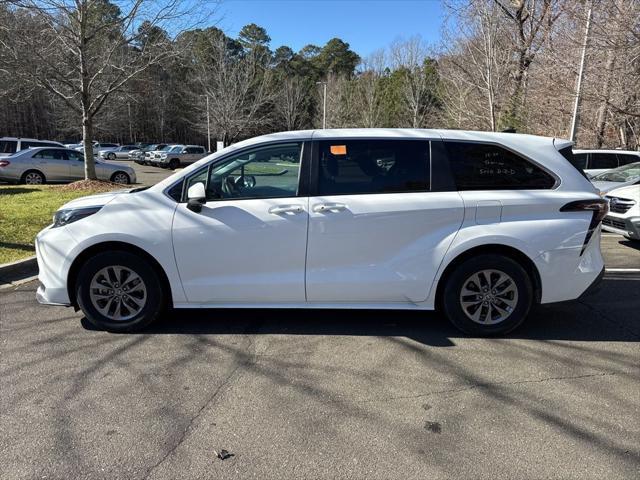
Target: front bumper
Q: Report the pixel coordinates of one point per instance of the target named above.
(53, 247)
(622, 226)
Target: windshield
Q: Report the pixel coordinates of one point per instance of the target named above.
(620, 174)
(166, 149)
(176, 149)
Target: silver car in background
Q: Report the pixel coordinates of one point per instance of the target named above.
(36, 166)
(120, 153)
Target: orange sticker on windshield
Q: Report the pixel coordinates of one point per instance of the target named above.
(338, 149)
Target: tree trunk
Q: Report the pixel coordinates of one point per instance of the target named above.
(605, 94)
(87, 140)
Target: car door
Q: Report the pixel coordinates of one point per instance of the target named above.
(53, 164)
(76, 164)
(378, 226)
(248, 242)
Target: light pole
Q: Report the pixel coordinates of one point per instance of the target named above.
(324, 104)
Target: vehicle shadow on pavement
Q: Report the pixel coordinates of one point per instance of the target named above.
(630, 243)
(601, 317)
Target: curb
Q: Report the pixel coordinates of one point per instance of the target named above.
(12, 271)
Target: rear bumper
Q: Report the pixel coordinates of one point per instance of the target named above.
(595, 285)
(566, 275)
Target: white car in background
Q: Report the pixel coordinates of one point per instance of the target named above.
(11, 145)
(624, 212)
(98, 147)
(618, 177)
(593, 162)
(355, 218)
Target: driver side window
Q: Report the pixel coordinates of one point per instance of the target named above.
(265, 172)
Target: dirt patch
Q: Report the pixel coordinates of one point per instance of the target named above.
(93, 185)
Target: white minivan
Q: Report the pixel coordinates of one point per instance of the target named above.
(479, 225)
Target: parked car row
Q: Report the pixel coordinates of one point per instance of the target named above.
(170, 156)
(35, 166)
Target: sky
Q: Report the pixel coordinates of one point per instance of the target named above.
(367, 25)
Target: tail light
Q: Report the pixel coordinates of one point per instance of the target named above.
(4, 163)
(599, 207)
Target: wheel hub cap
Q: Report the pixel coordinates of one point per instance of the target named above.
(489, 297)
(118, 292)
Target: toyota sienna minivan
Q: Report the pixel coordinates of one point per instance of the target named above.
(478, 225)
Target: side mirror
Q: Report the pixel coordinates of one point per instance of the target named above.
(196, 197)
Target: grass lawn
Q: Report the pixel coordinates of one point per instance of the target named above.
(25, 210)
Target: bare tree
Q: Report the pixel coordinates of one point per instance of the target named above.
(476, 61)
(86, 50)
(529, 25)
(340, 102)
(368, 91)
(237, 87)
(419, 81)
(290, 101)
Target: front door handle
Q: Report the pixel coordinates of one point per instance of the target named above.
(329, 207)
(277, 210)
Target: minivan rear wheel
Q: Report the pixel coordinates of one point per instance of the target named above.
(488, 295)
(119, 291)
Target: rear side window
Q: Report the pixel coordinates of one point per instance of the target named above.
(373, 166)
(477, 166)
(627, 158)
(8, 146)
(601, 160)
(24, 145)
(578, 160)
(51, 155)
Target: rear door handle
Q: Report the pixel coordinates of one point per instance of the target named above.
(329, 207)
(279, 209)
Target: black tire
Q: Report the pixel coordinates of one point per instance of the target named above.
(174, 163)
(29, 174)
(459, 278)
(154, 301)
(111, 156)
(126, 175)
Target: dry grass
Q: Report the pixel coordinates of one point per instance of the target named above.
(26, 209)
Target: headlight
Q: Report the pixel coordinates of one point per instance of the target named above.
(67, 216)
(164, 155)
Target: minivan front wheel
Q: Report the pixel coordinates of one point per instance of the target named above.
(488, 295)
(119, 292)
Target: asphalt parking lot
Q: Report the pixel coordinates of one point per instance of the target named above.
(325, 394)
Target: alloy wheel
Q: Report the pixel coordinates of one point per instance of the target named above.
(33, 178)
(489, 297)
(117, 292)
(120, 178)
